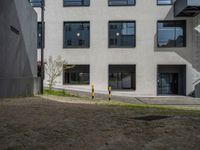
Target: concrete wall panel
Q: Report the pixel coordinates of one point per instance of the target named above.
(18, 48)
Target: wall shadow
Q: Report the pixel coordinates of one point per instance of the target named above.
(184, 52)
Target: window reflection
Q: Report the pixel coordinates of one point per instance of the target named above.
(40, 36)
(122, 34)
(171, 33)
(36, 3)
(164, 2)
(122, 76)
(76, 2)
(121, 2)
(79, 74)
(76, 34)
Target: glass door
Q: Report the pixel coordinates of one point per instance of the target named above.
(168, 83)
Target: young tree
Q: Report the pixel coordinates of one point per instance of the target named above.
(54, 68)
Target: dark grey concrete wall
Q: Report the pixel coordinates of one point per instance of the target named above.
(18, 48)
(179, 6)
(197, 90)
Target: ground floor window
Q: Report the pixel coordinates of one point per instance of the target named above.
(122, 76)
(171, 80)
(77, 75)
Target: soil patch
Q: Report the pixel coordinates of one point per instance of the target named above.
(39, 124)
(152, 118)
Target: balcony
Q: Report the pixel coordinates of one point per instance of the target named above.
(186, 8)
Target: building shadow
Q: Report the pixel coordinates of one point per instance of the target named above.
(183, 52)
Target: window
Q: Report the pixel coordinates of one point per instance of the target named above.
(171, 33)
(77, 75)
(121, 2)
(76, 34)
(122, 34)
(36, 3)
(164, 2)
(122, 76)
(39, 35)
(171, 79)
(76, 2)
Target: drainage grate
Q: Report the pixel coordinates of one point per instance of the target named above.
(152, 118)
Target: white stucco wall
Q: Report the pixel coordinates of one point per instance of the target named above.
(146, 56)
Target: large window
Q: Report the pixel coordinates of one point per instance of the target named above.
(122, 34)
(121, 2)
(122, 76)
(77, 75)
(164, 2)
(76, 2)
(171, 79)
(36, 3)
(171, 33)
(76, 34)
(40, 37)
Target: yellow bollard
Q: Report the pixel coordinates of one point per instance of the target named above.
(109, 91)
(92, 90)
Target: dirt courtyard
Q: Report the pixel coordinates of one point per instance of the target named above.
(40, 124)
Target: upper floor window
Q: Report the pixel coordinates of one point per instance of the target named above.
(121, 2)
(171, 34)
(36, 3)
(76, 2)
(40, 37)
(164, 2)
(122, 34)
(76, 35)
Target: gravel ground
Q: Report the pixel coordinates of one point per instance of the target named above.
(40, 124)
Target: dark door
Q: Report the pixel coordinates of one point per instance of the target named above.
(168, 83)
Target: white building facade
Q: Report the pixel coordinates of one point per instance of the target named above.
(139, 47)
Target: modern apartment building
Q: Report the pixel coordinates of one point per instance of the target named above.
(138, 47)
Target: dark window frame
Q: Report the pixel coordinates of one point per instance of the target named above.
(121, 21)
(122, 5)
(135, 75)
(43, 39)
(76, 47)
(76, 5)
(88, 65)
(165, 4)
(185, 33)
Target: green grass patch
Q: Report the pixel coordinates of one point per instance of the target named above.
(58, 93)
(138, 109)
(144, 109)
(148, 109)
